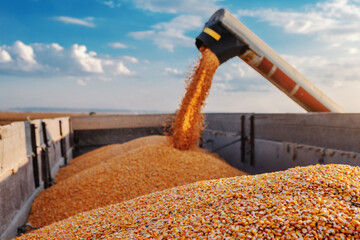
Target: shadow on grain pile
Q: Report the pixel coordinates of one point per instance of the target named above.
(135, 171)
(97, 156)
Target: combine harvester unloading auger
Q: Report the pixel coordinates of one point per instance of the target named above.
(227, 37)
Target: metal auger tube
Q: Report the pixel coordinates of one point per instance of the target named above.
(227, 37)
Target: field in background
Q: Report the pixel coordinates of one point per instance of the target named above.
(9, 117)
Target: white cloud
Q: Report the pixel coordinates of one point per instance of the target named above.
(112, 3)
(306, 62)
(167, 35)
(56, 46)
(237, 76)
(293, 22)
(20, 57)
(205, 7)
(121, 69)
(54, 60)
(322, 70)
(109, 3)
(117, 67)
(336, 22)
(87, 61)
(4, 56)
(24, 52)
(117, 45)
(130, 59)
(173, 71)
(69, 20)
(353, 50)
(81, 82)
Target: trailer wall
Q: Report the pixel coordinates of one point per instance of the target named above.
(26, 148)
(96, 131)
(258, 143)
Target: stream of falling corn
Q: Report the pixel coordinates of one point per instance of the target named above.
(188, 123)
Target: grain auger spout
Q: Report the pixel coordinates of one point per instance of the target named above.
(227, 37)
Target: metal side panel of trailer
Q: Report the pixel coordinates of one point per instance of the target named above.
(258, 143)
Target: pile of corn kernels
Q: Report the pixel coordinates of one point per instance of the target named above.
(105, 153)
(314, 202)
(141, 170)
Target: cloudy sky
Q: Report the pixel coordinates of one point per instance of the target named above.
(134, 54)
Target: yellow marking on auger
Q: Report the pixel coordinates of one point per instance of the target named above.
(212, 33)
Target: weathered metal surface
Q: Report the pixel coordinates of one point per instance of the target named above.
(12, 146)
(35, 159)
(87, 140)
(119, 121)
(282, 141)
(19, 145)
(332, 130)
(338, 131)
(15, 190)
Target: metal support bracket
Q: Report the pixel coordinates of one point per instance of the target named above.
(34, 155)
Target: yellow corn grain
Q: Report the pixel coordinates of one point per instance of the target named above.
(103, 154)
(177, 212)
(141, 170)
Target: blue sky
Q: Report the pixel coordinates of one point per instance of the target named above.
(134, 54)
